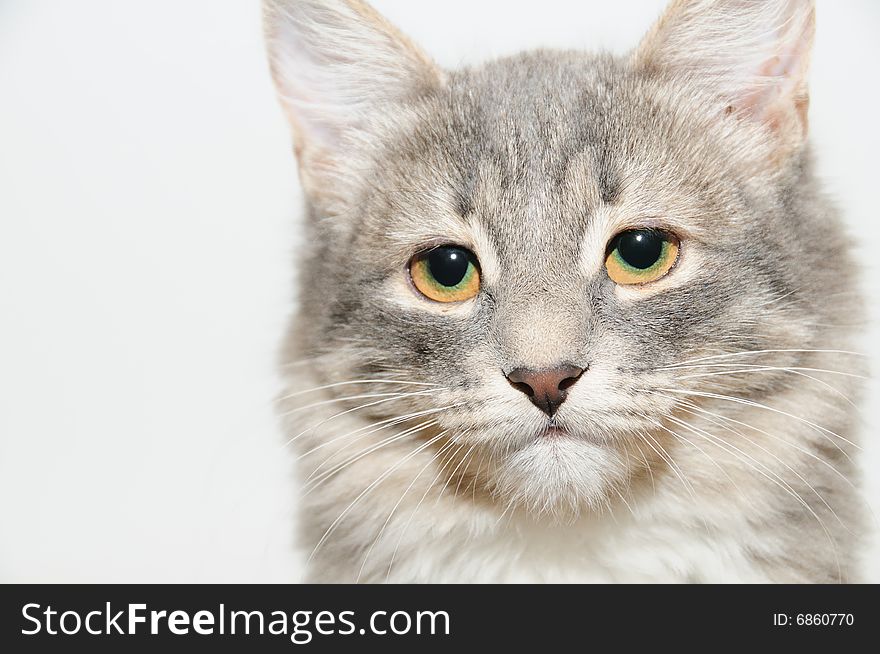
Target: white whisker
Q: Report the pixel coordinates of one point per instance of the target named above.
(317, 480)
(754, 352)
(452, 441)
(758, 405)
(346, 412)
(364, 492)
(757, 466)
(396, 505)
(353, 382)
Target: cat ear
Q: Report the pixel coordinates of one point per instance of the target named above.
(336, 65)
(752, 54)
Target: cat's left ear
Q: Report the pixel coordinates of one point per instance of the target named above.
(753, 55)
(338, 67)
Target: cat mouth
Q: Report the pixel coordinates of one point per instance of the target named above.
(553, 431)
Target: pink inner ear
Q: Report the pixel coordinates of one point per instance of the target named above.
(779, 94)
(752, 54)
(770, 88)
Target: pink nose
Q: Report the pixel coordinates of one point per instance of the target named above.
(547, 389)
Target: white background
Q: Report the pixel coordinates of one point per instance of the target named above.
(148, 226)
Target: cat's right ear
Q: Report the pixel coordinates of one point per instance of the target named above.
(338, 65)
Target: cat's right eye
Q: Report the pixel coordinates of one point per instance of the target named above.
(445, 274)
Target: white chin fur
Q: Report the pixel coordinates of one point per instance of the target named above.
(560, 477)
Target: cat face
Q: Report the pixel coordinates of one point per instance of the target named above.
(552, 248)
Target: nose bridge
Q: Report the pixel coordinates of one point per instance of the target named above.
(541, 327)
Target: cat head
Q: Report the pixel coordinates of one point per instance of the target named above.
(543, 242)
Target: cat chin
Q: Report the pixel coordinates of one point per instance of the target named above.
(560, 476)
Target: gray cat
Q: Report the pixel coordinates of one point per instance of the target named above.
(567, 317)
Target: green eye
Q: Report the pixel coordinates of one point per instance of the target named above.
(445, 274)
(641, 256)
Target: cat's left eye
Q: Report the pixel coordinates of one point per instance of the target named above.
(641, 256)
(445, 274)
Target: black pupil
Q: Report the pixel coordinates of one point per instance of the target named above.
(448, 265)
(641, 248)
